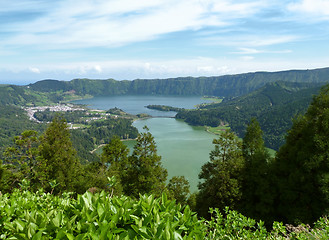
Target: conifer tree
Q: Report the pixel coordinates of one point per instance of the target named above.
(302, 165)
(115, 154)
(179, 189)
(257, 194)
(144, 172)
(115, 159)
(57, 157)
(22, 156)
(221, 176)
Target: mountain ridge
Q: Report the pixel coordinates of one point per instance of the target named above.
(224, 86)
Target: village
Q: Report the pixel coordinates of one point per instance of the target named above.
(65, 108)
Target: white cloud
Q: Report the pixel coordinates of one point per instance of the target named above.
(34, 70)
(248, 42)
(247, 58)
(66, 31)
(238, 9)
(133, 69)
(112, 23)
(318, 8)
(256, 51)
(207, 69)
(98, 68)
(271, 40)
(248, 51)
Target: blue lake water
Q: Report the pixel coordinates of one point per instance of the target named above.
(136, 104)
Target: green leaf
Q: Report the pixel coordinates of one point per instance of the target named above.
(38, 236)
(100, 210)
(31, 229)
(164, 198)
(57, 219)
(167, 233)
(104, 230)
(177, 236)
(69, 236)
(20, 225)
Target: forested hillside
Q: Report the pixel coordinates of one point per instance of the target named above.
(274, 106)
(23, 95)
(13, 121)
(224, 86)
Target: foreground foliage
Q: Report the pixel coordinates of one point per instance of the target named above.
(27, 215)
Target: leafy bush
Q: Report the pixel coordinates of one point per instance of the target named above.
(27, 215)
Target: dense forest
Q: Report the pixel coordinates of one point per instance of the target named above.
(274, 106)
(128, 193)
(14, 121)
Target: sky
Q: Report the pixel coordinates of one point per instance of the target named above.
(131, 39)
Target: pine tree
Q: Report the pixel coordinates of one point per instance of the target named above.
(179, 189)
(257, 194)
(115, 159)
(302, 165)
(144, 172)
(23, 155)
(57, 157)
(221, 185)
(115, 154)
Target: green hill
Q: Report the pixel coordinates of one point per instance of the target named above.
(24, 95)
(274, 106)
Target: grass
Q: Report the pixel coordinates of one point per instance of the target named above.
(213, 99)
(80, 125)
(217, 130)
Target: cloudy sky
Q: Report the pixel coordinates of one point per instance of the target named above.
(129, 39)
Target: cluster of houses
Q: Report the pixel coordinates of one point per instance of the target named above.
(63, 108)
(57, 108)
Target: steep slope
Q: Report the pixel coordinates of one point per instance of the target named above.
(274, 106)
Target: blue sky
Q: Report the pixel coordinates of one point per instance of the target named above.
(129, 39)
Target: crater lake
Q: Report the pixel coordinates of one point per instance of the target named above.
(184, 148)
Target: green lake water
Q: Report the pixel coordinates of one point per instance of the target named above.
(184, 149)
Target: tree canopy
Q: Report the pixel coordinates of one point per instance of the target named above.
(221, 176)
(57, 157)
(144, 172)
(302, 165)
